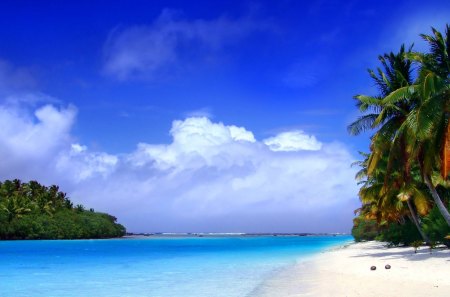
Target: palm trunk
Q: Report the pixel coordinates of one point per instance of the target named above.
(445, 154)
(416, 222)
(437, 199)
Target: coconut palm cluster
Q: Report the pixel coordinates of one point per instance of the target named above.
(404, 178)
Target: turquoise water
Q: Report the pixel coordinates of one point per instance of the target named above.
(164, 267)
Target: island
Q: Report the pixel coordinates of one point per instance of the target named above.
(33, 211)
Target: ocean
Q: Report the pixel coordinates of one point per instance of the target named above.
(222, 266)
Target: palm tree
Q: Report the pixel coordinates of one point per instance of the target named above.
(395, 74)
(388, 167)
(427, 124)
(15, 207)
(387, 118)
(386, 203)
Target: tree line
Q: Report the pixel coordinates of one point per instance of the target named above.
(34, 211)
(404, 178)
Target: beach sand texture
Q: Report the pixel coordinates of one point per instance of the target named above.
(346, 272)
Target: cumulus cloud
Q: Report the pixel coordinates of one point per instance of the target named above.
(79, 164)
(210, 177)
(197, 142)
(201, 112)
(170, 43)
(28, 140)
(293, 141)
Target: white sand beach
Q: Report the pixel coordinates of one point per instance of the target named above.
(346, 272)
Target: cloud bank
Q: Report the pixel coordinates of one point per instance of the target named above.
(211, 177)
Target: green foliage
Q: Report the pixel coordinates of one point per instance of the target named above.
(416, 245)
(432, 245)
(32, 211)
(397, 234)
(436, 227)
(364, 229)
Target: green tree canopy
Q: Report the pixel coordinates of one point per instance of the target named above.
(33, 211)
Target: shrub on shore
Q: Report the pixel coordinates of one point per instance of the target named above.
(364, 229)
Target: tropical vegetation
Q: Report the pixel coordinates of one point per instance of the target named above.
(33, 211)
(404, 178)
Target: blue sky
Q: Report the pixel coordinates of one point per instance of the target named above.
(114, 81)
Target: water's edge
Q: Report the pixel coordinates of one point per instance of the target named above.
(292, 279)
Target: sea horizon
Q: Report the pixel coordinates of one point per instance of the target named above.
(153, 234)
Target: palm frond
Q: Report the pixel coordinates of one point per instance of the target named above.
(400, 94)
(362, 124)
(421, 201)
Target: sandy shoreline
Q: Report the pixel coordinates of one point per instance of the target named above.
(346, 272)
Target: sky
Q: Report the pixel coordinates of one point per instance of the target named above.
(197, 116)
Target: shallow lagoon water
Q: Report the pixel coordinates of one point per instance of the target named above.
(154, 267)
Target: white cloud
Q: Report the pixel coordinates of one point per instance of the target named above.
(211, 177)
(201, 112)
(80, 164)
(293, 141)
(170, 44)
(39, 145)
(77, 148)
(197, 142)
(28, 140)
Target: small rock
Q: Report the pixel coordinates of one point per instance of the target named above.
(373, 268)
(387, 266)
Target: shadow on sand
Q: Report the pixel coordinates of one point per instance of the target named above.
(406, 253)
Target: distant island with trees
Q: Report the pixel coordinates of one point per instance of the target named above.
(34, 211)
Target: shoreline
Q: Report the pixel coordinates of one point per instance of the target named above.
(345, 271)
(221, 234)
(294, 280)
